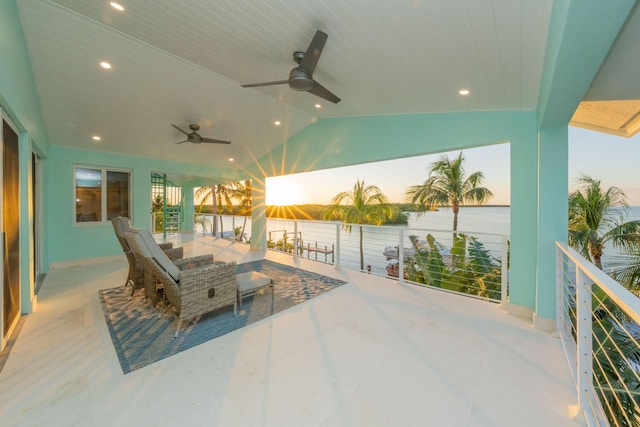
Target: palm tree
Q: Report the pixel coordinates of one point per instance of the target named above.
(218, 194)
(363, 204)
(447, 185)
(244, 193)
(596, 217)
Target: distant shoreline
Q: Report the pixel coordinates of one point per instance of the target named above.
(312, 211)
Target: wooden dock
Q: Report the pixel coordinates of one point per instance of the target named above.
(319, 249)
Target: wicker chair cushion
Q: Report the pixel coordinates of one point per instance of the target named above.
(136, 244)
(120, 225)
(159, 254)
(146, 241)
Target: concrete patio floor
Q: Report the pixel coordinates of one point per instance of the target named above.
(371, 352)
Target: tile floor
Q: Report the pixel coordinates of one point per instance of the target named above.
(370, 353)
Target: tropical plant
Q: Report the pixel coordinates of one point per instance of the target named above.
(157, 203)
(363, 204)
(596, 217)
(397, 216)
(470, 268)
(625, 269)
(218, 193)
(157, 208)
(244, 193)
(237, 233)
(447, 185)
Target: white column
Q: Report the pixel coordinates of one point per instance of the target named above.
(401, 257)
(187, 221)
(258, 216)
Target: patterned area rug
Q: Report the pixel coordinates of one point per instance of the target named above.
(141, 338)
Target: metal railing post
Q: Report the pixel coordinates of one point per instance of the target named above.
(584, 340)
(559, 290)
(504, 275)
(337, 245)
(295, 239)
(401, 257)
(164, 205)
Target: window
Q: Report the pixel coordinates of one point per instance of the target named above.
(101, 194)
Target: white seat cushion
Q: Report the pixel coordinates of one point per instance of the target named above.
(251, 281)
(157, 253)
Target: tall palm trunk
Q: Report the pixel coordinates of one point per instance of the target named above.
(596, 249)
(220, 205)
(249, 197)
(214, 225)
(456, 209)
(244, 224)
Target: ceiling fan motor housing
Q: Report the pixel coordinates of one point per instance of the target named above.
(299, 80)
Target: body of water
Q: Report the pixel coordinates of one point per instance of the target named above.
(470, 219)
(488, 224)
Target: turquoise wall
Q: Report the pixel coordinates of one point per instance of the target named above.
(17, 89)
(553, 212)
(524, 221)
(336, 142)
(77, 241)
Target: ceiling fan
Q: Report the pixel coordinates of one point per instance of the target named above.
(195, 137)
(301, 77)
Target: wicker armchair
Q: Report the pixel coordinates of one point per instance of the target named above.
(190, 288)
(135, 277)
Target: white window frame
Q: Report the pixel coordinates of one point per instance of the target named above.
(103, 193)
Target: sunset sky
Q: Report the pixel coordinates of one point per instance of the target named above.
(612, 159)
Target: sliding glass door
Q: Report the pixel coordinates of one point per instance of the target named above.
(9, 231)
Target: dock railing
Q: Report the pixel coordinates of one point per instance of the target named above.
(598, 321)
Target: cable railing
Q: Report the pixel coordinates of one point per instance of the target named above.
(599, 323)
(472, 264)
(225, 226)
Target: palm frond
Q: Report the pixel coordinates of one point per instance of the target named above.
(596, 217)
(625, 236)
(447, 185)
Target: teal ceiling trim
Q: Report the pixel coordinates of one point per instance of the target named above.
(581, 33)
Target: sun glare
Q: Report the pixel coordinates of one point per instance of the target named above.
(282, 191)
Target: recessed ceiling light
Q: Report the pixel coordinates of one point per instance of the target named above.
(96, 138)
(464, 92)
(231, 159)
(105, 65)
(318, 106)
(277, 123)
(117, 6)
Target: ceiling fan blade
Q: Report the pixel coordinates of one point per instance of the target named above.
(321, 91)
(215, 141)
(310, 60)
(182, 142)
(180, 130)
(279, 82)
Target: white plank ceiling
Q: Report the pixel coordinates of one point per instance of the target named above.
(183, 62)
